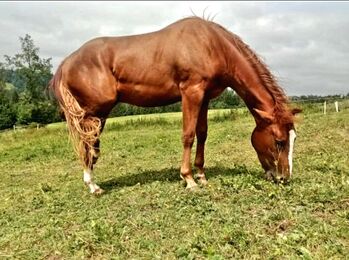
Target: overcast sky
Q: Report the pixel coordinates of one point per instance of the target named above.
(305, 44)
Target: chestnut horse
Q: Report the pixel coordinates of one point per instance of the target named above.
(191, 60)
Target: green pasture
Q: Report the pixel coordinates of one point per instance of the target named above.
(46, 212)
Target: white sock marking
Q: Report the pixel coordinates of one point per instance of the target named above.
(87, 176)
(292, 137)
(88, 180)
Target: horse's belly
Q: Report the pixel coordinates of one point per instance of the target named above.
(148, 96)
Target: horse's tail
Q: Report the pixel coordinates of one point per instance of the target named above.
(54, 85)
(83, 130)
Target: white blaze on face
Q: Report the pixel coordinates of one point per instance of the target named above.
(292, 137)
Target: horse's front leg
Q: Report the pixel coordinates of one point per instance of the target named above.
(201, 135)
(192, 97)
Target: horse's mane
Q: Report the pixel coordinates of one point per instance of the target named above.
(268, 80)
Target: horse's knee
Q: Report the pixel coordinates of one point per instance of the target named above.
(188, 139)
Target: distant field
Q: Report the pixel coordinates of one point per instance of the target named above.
(173, 116)
(46, 212)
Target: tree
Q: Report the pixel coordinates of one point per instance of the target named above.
(7, 98)
(31, 74)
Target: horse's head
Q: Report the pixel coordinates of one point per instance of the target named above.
(273, 139)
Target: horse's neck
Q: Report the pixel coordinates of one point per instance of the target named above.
(249, 86)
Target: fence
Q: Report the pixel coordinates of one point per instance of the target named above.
(30, 126)
(323, 105)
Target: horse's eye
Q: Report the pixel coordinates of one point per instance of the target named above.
(280, 144)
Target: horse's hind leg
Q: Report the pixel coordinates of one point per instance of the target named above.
(201, 135)
(89, 150)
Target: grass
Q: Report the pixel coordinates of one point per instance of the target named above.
(46, 211)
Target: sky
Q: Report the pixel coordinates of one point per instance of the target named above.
(305, 44)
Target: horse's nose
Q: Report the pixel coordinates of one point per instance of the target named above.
(283, 173)
(282, 179)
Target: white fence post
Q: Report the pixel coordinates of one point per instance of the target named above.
(336, 105)
(325, 108)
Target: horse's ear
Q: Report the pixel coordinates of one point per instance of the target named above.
(296, 111)
(266, 117)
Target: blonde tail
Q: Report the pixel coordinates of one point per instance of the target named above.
(84, 130)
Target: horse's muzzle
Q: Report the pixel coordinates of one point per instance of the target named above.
(282, 175)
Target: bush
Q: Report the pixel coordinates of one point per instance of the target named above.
(7, 116)
(43, 112)
(24, 112)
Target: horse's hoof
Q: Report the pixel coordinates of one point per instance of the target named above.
(203, 182)
(192, 188)
(98, 192)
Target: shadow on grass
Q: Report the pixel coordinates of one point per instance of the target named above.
(172, 175)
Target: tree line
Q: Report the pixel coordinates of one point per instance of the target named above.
(25, 98)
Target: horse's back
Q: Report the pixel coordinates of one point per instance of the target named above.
(147, 69)
(185, 43)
